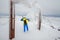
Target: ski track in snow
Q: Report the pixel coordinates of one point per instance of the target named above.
(46, 32)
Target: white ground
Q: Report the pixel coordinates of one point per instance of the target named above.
(46, 32)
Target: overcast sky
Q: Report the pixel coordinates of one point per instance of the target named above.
(48, 7)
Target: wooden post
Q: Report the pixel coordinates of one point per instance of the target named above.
(39, 21)
(12, 21)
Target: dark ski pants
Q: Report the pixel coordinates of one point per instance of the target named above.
(25, 27)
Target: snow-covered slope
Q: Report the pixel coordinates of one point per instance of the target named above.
(46, 32)
(4, 28)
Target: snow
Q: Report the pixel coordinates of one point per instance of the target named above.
(4, 28)
(46, 32)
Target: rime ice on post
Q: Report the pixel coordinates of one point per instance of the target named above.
(12, 18)
(38, 15)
